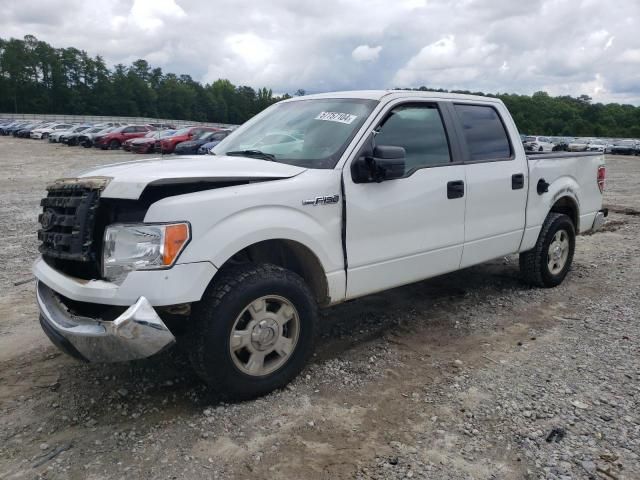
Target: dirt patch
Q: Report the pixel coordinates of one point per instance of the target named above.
(624, 210)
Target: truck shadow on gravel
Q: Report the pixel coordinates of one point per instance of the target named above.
(167, 386)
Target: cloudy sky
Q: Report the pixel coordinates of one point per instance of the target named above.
(561, 46)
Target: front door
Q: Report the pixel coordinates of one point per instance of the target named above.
(400, 231)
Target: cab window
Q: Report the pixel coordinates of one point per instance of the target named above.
(418, 128)
(484, 132)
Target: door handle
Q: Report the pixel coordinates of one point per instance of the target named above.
(455, 189)
(517, 181)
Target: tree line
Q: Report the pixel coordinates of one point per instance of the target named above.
(35, 77)
(38, 78)
(566, 116)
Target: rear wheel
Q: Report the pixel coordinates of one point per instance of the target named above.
(548, 263)
(254, 330)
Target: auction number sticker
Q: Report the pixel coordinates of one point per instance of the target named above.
(336, 117)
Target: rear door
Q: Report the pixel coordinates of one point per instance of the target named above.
(497, 179)
(403, 230)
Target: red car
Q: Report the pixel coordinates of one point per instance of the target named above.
(151, 136)
(147, 143)
(114, 139)
(168, 145)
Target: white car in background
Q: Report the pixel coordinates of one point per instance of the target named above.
(44, 132)
(54, 137)
(599, 146)
(538, 144)
(580, 144)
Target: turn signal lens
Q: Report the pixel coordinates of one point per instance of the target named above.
(175, 237)
(602, 176)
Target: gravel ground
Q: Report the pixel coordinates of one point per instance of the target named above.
(471, 375)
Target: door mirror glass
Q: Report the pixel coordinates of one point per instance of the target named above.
(386, 163)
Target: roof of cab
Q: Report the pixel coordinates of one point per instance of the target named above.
(391, 94)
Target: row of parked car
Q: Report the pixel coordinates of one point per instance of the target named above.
(575, 144)
(148, 138)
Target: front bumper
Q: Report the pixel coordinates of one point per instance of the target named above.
(600, 219)
(182, 283)
(142, 148)
(137, 333)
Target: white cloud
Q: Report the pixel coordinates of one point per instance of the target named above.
(449, 61)
(630, 56)
(250, 48)
(152, 14)
(609, 42)
(365, 53)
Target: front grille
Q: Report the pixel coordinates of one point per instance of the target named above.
(68, 220)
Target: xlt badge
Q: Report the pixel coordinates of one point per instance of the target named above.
(322, 200)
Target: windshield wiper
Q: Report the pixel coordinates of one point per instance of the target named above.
(252, 154)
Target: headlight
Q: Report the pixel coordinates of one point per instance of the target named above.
(129, 247)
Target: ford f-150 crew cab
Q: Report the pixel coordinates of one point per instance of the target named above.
(316, 200)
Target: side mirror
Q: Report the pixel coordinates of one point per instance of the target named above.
(386, 163)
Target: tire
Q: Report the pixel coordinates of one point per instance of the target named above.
(541, 149)
(114, 145)
(224, 309)
(547, 264)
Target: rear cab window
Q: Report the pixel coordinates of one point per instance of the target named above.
(485, 134)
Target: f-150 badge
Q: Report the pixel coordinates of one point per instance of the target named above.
(322, 200)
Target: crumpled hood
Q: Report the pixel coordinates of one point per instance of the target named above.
(129, 179)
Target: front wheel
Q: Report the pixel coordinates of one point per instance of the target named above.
(548, 263)
(253, 331)
(114, 145)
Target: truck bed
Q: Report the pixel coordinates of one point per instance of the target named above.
(571, 176)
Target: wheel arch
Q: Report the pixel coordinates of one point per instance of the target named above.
(567, 205)
(288, 254)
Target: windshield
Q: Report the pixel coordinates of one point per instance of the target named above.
(529, 139)
(308, 133)
(182, 132)
(204, 135)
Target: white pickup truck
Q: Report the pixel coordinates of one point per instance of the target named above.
(316, 200)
